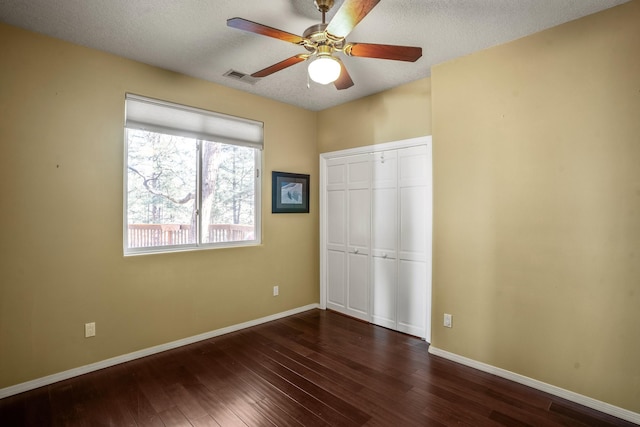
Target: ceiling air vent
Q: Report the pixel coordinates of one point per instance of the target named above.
(238, 75)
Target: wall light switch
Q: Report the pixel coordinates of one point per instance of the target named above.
(276, 291)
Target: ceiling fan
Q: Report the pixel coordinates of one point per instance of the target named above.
(324, 40)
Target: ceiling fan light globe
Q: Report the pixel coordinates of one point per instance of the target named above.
(324, 70)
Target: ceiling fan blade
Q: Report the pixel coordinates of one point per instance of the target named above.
(344, 81)
(384, 51)
(280, 65)
(348, 16)
(254, 27)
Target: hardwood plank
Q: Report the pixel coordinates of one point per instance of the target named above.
(186, 402)
(372, 401)
(112, 406)
(249, 379)
(244, 388)
(339, 405)
(507, 420)
(69, 402)
(214, 406)
(486, 398)
(205, 421)
(12, 410)
(276, 415)
(172, 417)
(321, 409)
(584, 415)
(150, 382)
(140, 408)
(335, 360)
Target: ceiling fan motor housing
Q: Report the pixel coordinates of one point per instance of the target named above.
(315, 36)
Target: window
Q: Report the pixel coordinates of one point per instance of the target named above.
(192, 178)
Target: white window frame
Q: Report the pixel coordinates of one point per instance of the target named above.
(153, 115)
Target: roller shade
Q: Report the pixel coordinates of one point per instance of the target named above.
(174, 119)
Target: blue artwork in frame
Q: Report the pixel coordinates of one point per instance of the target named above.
(289, 192)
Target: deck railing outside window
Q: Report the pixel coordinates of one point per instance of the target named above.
(150, 235)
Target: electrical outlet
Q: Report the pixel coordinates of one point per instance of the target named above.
(448, 320)
(89, 329)
(276, 291)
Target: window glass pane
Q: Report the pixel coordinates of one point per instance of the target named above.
(228, 192)
(161, 193)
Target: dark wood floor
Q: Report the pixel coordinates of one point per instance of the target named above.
(314, 369)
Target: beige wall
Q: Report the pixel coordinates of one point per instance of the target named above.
(61, 180)
(400, 113)
(537, 206)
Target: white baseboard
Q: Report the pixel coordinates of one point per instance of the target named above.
(50, 379)
(539, 385)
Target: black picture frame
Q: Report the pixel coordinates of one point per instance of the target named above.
(289, 192)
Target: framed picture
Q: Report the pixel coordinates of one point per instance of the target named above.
(289, 192)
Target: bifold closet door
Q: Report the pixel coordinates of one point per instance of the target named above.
(336, 234)
(413, 254)
(377, 256)
(348, 235)
(384, 237)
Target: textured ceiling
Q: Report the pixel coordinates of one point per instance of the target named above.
(191, 36)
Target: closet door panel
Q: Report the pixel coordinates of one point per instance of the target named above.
(336, 174)
(412, 297)
(336, 275)
(336, 220)
(358, 287)
(383, 292)
(413, 166)
(359, 220)
(359, 201)
(413, 223)
(358, 171)
(384, 227)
